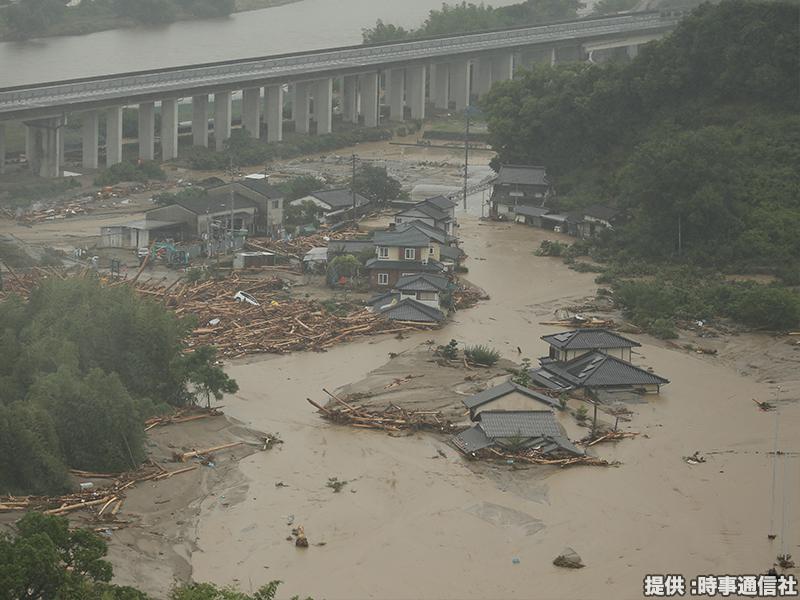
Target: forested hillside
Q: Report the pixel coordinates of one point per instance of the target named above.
(81, 366)
(697, 140)
(463, 17)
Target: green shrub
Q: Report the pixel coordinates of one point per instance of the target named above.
(768, 307)
(551, 248)
(482, 355)
(582, 413)
(663, 329)
(141, 171)
(450, 351)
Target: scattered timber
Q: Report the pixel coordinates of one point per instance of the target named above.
(535, 458)
(182, 416)
(393, 418)
(611, 436)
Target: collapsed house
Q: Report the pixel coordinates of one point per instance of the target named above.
(509, 416)
(516, 430)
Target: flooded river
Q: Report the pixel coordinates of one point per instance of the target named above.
(412, 523)
(303, 25)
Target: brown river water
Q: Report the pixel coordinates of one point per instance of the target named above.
(413, 524)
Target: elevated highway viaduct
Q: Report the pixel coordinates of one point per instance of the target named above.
(409, 76)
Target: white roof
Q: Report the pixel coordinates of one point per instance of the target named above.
(316, 254)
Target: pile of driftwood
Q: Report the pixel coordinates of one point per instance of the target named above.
(182, 416)
(298, 247)
(610, 436)
(277, 324)
(468, 297)
(393, 418)
(106, 501)
(20, 283)
(583, 322)
(64, 211)
(534, 457)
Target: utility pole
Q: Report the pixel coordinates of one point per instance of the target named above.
(353, 187)
(680, 238)
(466, 155)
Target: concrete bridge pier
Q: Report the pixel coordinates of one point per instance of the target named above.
(43, 146)
(169, 129)
(200, 121)
(89, 135)
(222, 119)
(440, 82)
(460, 84)
(2, 148)
(396, 91)
(415, 79)
(503, 67)
(147, 127)
(323, 105)
(369, 98)
(251, 111)
(300, 110)
(273, 96)
(483, 76)
(113, 135)
(350, 98)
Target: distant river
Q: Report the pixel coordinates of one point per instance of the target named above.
(304, 25)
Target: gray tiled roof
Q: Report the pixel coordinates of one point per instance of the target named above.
(262, 187)
(409, 266)
(522, 175)
(599, 211)
(523, 423)
(596, 369)
(339, 198)
(422, 282)
(441, 202)
(501, 390)
(471, 440)
(588, 339)
(201, 205)
(408, 238)
(383, 299)
(427, 210)
(451, 252)
(530, 211)
(411, 310)
(349, 246)
(436, 235)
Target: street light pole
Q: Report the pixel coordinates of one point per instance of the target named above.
(466, 155)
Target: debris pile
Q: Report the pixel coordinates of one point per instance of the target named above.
(69, 209)
(392, 418)
(182, 416)
(299, 246)
(611, 436)
(534, 457)
(468, 297)
(265, 319)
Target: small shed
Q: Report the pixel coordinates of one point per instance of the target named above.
(246, 260)
(507, 396)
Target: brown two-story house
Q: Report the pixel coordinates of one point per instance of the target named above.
(401, 253)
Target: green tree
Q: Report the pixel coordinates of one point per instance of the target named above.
(28, 18)
(301, 186)
(208, 379)
(47, 561)
(377, 185)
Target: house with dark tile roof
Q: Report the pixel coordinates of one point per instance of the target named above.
(423, 287)
(518, 185)
(336, 205)
(412, 310)
(428, 214)
(507, 396)
(595, 370)
(571, 344)
(516, 430)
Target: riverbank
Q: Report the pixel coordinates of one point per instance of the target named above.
(91, 19)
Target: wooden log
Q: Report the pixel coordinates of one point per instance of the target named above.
(70, 507)
(187, 455)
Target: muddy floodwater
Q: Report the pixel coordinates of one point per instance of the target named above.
(412, 523)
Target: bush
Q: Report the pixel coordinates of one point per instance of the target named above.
(768, 307)
(582, 413)
(141, 171)
(482, 355)
(551, 248)
(522, 376)
(663, 329)
(450, 351)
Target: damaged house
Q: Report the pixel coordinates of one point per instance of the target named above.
(509, 416)
(516, 430)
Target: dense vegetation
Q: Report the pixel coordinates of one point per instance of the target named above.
(81, 366)
(33, 18)
(46, 560)
(141, 171)
(242, 150)
(463, 17)
(696, 141)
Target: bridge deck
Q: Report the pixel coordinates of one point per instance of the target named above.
(182, 81)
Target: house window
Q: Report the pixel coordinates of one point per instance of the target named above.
(430, 296)
(383, 252)
(410, 254)
(276, 204)
(405, 274)
(430, 250)
(383, 279)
